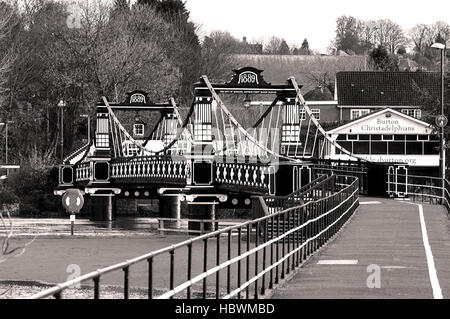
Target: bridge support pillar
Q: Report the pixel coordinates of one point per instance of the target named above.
(169, 207)
(102, 207)
(199, 211)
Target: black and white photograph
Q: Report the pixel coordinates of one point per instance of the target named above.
(227, 156)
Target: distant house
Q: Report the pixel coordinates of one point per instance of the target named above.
(360, 93)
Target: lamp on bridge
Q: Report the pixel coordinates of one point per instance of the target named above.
(442, 47)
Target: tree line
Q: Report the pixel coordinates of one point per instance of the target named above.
(385, 40)
(55, 54)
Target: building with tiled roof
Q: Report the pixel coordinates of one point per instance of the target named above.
(360, 93)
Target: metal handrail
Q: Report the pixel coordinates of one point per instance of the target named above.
(311, 207)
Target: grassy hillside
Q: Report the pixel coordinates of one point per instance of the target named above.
(305, 68)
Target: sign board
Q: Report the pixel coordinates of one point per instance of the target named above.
(137, 97)
(411, 160)
(248, 77)
(73, 201)
(387, 122)
(441, 121)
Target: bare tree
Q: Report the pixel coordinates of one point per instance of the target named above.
(423, 35)
(7, 15)
(273, 45)
(389, 35)
(217, 55)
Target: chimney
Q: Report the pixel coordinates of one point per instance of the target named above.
(244, 39)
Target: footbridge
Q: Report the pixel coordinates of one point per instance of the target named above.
(208, 159)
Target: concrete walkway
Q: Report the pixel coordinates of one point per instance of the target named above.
(384, 238)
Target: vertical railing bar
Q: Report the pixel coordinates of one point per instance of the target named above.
(229, 266)
(189, 270)
(256, 258)
(263, 284)
(283, 250)
(277, 249)
(217, 264)
(239, 262)
(150, 277)
(288, 265)
(272, 229)
(172, 269)
(97, 287)
(247, 266)
(205, 264)
(126, 282)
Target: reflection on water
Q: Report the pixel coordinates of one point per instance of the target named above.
(61, 226)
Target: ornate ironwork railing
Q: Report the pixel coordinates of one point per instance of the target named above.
(83, 172)
(249, 175)
(154, 168)
(253, 261)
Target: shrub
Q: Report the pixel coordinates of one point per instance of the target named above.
(34, 189)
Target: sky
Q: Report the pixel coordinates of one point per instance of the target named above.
(295, 20)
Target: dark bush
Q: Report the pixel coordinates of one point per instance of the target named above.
(34, 189)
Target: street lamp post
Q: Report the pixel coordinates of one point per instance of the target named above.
(61, 105)
(6, 143)
(442, 48)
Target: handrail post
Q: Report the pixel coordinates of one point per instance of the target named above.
(150, 277)
(97, 287)
(126, 282)
(172, 269)
(189, 270)
(205, 264)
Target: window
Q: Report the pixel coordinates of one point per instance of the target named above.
(396, 148)
(102, 140)
(138, 129)
(378, 148)
(290, 133)
(414, 148)
(302, 114)
(347, 146)
(361, 147)
(356, 113)
(398, 144)
(203, 132)
(430, 148)
(132, 150)
(316, 113)
(416, 113)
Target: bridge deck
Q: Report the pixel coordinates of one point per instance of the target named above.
(387, 234)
